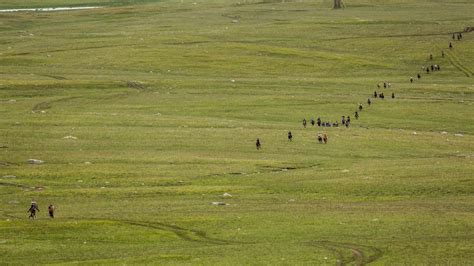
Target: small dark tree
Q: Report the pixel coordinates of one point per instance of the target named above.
(337, 4)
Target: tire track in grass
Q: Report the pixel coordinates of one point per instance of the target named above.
(14, 185)
(350, 253)
(183, 233)
(345, 252)
(385, 36)
(71, 49)
(5, 163)
(264, 169)
(47, 104)
(456, 62)
(358, 253)
(54, 77)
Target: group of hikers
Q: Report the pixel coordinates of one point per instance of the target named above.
(435, 67)
(457, 36)
(320, 123)
(322, 138)
(346, 121)
(34, 208)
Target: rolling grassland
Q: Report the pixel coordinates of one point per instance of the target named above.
(145, 113)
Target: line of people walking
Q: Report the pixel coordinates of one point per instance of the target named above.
(346, 120)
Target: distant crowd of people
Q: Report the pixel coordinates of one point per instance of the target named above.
(346, 120)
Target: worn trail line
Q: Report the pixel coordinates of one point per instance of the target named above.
(5, 163)
(14, 185)
(386, 36)
(136, 87)
(264, 169)
(345, 252)
(47, 104)
(350, 253)
(357, 252)
(72, 49)
(183, 233)
(455, 61)
(54, 77)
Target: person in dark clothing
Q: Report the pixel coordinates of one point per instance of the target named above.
(393, 95)
(454, 38)
(450, 45)
(418, 76)
(319, 121)
(381, 96)
(320, 139)
(258, 144)
(427, 70)
(431, 56)
(343, 120)
(51, 209)
(369, 101)
(304, 122)
(411, 79)
(375, 94)
(360, 107)
(432, 68)
(32, 210)
(356, 114)
(312, 121)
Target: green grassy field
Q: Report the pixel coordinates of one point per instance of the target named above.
(166, 99)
